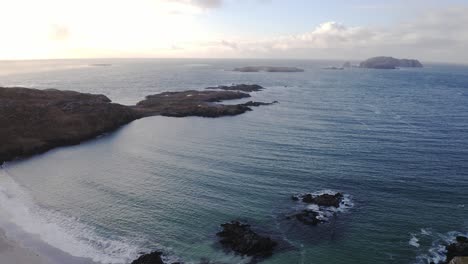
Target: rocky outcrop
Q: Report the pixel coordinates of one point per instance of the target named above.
(239, 87)
(268, 69)
(33, 121)
(241, 239)
(457, 249)
(389, 63)
(192, 103)
(151, 258)
(321, 200)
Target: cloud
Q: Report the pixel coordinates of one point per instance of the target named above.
(439, 35)
(204, 4)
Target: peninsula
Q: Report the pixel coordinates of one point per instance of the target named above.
(35, 121)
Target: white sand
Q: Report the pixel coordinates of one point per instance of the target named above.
(13, 253)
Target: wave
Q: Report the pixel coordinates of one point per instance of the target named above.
(437, 251)
(65, 233)
(414, 241)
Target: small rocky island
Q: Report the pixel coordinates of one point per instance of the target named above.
(326, 205)
(268, 69)
(389, 63)
(34, 121)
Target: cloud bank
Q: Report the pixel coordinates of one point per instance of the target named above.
(440, 35)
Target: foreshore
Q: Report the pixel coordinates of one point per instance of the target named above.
(12, 252)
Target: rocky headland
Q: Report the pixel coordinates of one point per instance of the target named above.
(389, 63)
(267, 69)
(35, 121)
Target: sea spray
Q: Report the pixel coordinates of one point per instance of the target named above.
(58, 230)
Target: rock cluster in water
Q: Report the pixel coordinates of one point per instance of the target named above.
(268, 69)
(315, 216)
(33, 121)
(389, 63)
(240, 238)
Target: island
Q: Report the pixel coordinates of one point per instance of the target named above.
(268, 69)
(389, 63)
(34, 121)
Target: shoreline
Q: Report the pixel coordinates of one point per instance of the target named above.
(13, 252)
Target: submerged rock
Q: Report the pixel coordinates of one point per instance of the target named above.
(308, 217)
(241, 239)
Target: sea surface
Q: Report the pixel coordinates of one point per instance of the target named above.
(394, 141)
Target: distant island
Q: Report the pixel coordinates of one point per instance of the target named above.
(268, 69)
(389, 63)
(34, 121)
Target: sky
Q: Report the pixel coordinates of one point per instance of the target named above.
(429, 30)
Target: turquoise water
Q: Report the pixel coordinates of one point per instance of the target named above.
(395, 141)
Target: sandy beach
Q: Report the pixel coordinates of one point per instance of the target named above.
(13, 253)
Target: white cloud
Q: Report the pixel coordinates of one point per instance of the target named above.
(440, 35)
(204, 4)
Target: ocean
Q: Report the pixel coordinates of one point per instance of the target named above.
(394, 141)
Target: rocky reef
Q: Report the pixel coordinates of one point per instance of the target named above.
(268, 69)
(240, 238)
(35, 121)
(319, 208)
(321, 199)
(239, 87)
(389, 63)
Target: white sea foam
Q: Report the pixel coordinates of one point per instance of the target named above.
(65, 233)
(414, 241)
(425, 232)
(437, 251)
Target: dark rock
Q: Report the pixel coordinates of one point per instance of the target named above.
(389, 63)
(151, 258)
(240, 87)
(308, 217)
(295, 198)
(252, 103)
(457, 249)
(268, 69)
(323, 199)
(241, 239)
